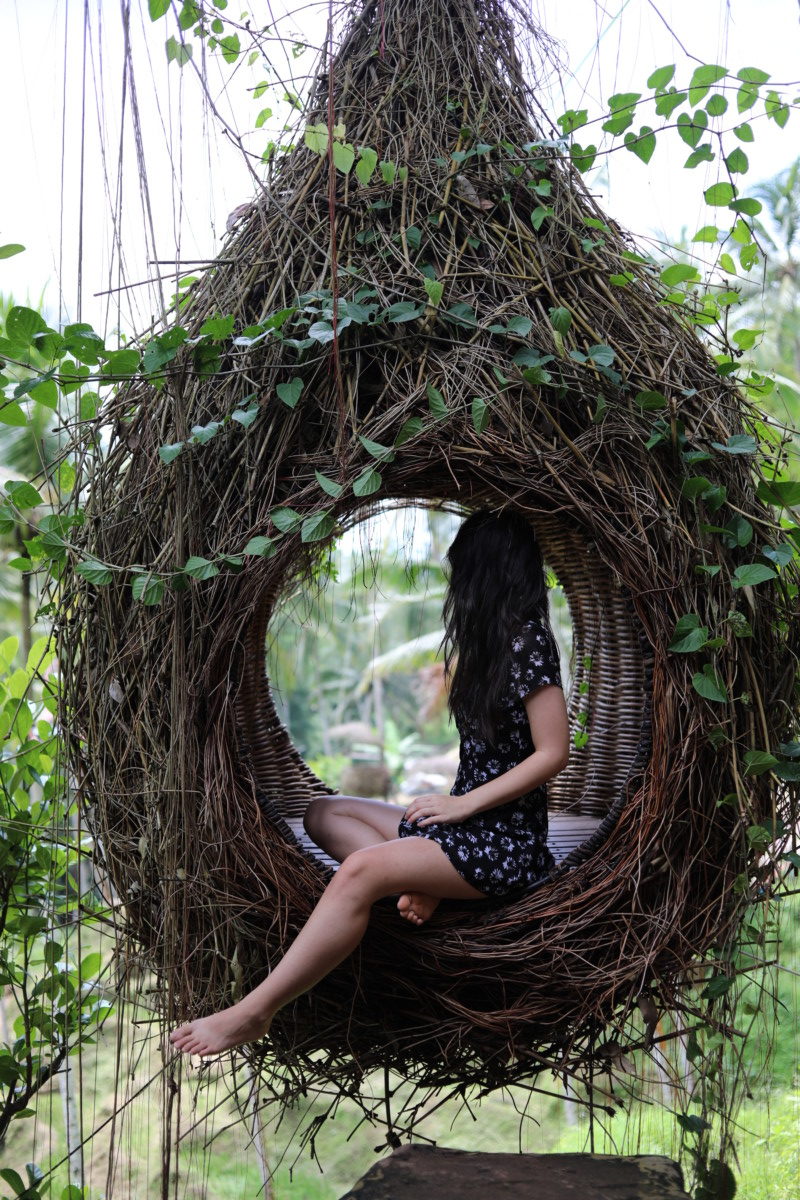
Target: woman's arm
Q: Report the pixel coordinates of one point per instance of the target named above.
(547, 717)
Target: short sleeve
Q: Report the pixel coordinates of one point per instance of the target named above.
(534, 660)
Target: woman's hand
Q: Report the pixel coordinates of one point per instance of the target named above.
(434, 808)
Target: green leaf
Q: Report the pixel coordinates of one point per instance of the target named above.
(8, 521)
(582, 157)
(714, 989)
(329, 485)
(601, 354)
(322, 331)
(316, 137)
(702, 79)
(13, 1179)
(179, 52)
(782, 554)
(539, 216)
(10, 249)
(245, 416)
(747, 205)
(758, 761)
(751, 574)
(317, 527)
(667, 102)
(23, 324)
(344, 156)
(230, 47)
(94, 572)
(692, 129)
(388, 171)
(650, 401)
(480, 414)
(560, 319)
(170, 451)
(285, 519)
(262, 547)
(12, 414)
(788, 772)
(719, 194)
(600, 410)
(738, 532)
(200, 568)
(738, 443)
(521, 325)
(709, 233)
(708, 684)
(776, 110)
(621, 106)
(204, 433)
(434, 289)
(24, 495)
(263, 117)
(162, 349)
(689, 635)
(752, 75)
(290, 392)
(367, 161)
(661, 77)
(737, 161)
(679, 273)
(572, 119)
(157, 8)
(717, 105)
(436, 403)
(403, 310)
(786, 493)
(147, 589)
(218, 328)
(695, 485)
(410, 429)
(642, 144)
(367, 483)
(91, 966)
(746, 96)
(121, 362)
(382, 453)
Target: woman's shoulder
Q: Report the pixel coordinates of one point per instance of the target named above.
(530, 633)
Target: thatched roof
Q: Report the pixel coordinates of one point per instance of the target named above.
(499, 340)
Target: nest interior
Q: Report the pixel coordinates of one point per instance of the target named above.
(467, 394)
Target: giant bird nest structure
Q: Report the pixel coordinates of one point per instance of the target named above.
(396, 342)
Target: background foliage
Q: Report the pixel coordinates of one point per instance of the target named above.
(737, 279)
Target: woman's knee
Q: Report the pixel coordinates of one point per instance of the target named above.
(314, 816)
(361, 873)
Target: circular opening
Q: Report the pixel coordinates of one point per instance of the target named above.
(354, 660)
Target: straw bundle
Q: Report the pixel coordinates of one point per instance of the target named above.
(401, 338)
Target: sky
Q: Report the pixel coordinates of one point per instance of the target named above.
(85, 222)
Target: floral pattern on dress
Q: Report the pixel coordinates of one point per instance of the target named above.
(503, 850)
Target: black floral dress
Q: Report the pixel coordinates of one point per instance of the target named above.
(503, 850)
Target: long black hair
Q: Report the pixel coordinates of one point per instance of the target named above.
(497, 583)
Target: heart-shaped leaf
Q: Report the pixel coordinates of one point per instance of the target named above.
(291, 391)
(642, 144)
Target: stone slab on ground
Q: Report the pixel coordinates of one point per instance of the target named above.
(432, 1173)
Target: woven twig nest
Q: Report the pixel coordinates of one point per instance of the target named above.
(193, 784)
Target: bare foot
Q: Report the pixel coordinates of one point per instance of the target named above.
(222, 1030)
(417, 907)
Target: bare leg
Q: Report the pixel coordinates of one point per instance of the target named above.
(341, 824)
(332, 932)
